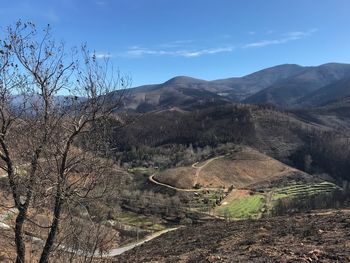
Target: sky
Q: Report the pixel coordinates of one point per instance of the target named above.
(155, 40)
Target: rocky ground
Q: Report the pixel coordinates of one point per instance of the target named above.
(315, 237)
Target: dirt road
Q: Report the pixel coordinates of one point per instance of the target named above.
(199, 168)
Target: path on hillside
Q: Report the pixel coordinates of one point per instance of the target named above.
(121, 250)
(116, 251)
(198, 170)
(113, 252)
(151, 178)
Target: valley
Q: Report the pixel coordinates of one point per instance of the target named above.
(174, 131)
(102, 173)
(248, 172)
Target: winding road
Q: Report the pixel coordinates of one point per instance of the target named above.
(111, 253)
(199, 168)
(121, 250)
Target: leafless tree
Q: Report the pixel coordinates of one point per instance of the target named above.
(51, 100)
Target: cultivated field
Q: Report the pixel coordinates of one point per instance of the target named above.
(241, 204)
(298, 190)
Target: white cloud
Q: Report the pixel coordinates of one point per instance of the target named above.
(140, 52)
(176, 43)
(102, 55)
(290, 36)
(206, 51)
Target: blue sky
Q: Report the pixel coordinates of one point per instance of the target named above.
(154, 40)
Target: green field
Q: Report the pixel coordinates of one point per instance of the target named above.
(303, 190)
(133, 219)
(243, 208)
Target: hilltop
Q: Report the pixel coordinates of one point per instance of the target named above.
(237, 169)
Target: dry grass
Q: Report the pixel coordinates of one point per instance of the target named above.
(238, 169)
(181, 177)
(241, 169)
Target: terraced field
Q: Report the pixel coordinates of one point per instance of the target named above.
(243, 204)
(258, 182)
(303, 190)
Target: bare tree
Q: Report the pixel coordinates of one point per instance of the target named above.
(51, 100)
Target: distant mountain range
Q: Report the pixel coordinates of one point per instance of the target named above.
(284, 86)
(311, 87)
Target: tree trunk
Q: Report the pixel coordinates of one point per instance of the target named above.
(53, 230)
(20, 245)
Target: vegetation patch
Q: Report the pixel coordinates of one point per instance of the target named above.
(250, 206)
(299, 190)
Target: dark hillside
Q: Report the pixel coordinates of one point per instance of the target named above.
(322, 237)
(292, 91)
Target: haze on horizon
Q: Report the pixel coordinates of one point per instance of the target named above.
(154, 40)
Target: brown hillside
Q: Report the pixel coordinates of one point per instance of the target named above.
(181, 177)
(239, 169)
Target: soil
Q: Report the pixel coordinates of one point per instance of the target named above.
(314, 237)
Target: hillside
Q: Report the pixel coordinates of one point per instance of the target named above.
(330, 93)
(292, 91)
(318, 237)
(335, 113)
(164, 138)
(244, 87)
(238, 169)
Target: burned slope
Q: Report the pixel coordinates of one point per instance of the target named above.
(289, 137)
(323, 237)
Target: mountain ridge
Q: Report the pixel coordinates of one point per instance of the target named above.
(285, 86)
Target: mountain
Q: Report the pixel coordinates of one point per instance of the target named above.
(244, 87)
(294, 91)
(181, 92)
(327, 94)
(285, 86)
(190, 93)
